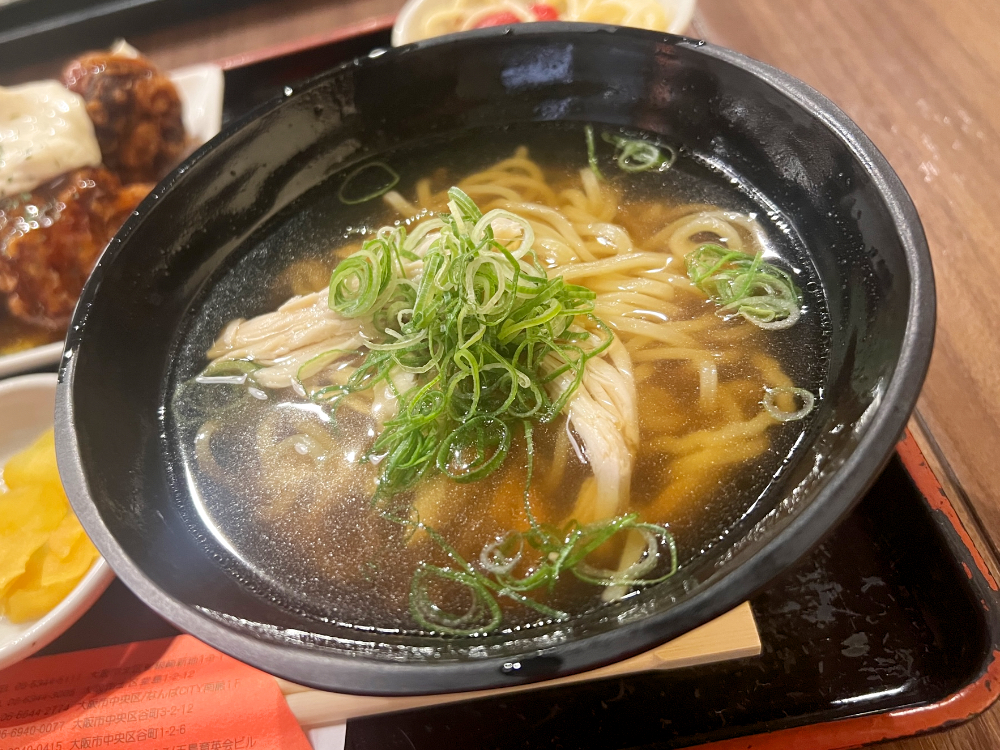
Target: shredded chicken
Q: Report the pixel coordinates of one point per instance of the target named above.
(287, 338)
(604, 414)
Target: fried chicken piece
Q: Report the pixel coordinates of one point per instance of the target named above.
(51, 238)
(135, 110)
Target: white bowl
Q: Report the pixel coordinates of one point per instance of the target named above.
(27, 405)
(415, 11)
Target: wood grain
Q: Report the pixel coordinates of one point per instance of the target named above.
(731, 636)
(921, 78)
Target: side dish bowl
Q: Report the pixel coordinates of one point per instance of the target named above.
(774, 133)
(26, 408)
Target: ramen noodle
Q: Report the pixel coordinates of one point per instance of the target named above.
(515, 394)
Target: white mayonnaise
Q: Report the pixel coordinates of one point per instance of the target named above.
(44, 132)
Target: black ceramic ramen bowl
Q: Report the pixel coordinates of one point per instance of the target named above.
(779, 136)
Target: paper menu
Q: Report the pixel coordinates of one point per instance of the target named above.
(168, 694)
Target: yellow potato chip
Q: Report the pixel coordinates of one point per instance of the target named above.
(44, 551)
(14, 556)
(54, 493)
(30, 508)
(66, 534)
(30, 579)
(28, 515)
(72, 568)
(30, 604)
(36, 465)
(32, 595)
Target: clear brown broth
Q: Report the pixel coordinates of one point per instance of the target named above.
(306, 528)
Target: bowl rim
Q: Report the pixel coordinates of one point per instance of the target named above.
(345, 673)
(37, 634)
(400, 27)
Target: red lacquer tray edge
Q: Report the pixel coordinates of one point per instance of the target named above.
(367, 26)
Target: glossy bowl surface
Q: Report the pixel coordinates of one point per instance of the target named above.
(776, 134)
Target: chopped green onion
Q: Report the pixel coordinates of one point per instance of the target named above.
(746, 285)
(474, 449)
(496, 557)
(558, 550)
(638, 155)
(358, 282)
(482, 615)
(592, 152)
(317, 364)
(477, 326)
(389, 180)
(806, 397)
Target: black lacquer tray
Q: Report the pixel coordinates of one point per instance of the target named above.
(891, 627)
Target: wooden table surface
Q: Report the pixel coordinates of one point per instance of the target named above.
(922, 79)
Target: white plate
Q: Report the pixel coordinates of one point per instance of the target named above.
(26, 411)
(414, 12)
(30, 359)
(200, 88)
